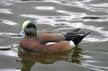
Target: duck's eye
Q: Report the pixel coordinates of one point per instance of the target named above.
(30, 31)
(31, 25)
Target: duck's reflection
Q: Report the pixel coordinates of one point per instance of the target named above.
(76, 55)
(29, 59)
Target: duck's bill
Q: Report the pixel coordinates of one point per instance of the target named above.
(21, 33)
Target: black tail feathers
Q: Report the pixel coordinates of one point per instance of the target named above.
(75, 37)
(79, 38)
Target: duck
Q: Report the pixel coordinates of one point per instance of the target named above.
(45, 42)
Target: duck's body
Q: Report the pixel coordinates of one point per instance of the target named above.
(44, 44)
(34, 42)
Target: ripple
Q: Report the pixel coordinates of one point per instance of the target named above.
(11, 35)
(91, 39)
(77, 15)
(98, 68)
(40, 19)
(69, 1)
(7, 11)
(45, 8)
(9, 70)
(92, 8)
(100, 5)
(87, 56)
(31, 16)
(7, 2)
(46, 21)
(86, 0)
(8, 22)
(9, 52)
(28, 1)
(91, 61)
(87, 6)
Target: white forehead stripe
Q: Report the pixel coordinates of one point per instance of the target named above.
(25, 24)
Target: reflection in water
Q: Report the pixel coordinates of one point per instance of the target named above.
(29, 59)
(76, 57)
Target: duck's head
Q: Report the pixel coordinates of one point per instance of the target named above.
(29, 29)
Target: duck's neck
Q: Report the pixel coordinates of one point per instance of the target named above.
(31, 37)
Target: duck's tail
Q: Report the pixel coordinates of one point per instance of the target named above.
(75, 37)
(79, 38)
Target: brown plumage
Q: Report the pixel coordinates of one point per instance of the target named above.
(34, 42)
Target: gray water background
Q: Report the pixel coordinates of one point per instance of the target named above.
(57, 16)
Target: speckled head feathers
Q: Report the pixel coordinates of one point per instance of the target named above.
(29, 28)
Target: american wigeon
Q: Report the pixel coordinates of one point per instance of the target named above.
(41, 42)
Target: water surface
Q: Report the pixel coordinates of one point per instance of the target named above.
(56, 16)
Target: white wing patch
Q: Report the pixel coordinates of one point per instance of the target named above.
(51, 43)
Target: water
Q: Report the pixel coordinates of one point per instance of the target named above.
(57, 16)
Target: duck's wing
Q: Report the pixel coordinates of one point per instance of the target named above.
(75, 37)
